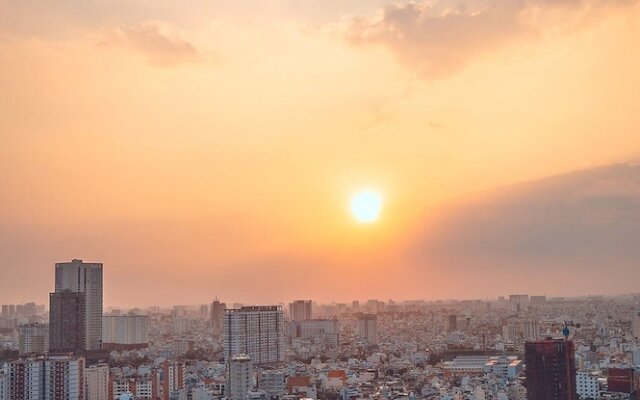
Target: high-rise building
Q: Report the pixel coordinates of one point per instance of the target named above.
(52, 377)
(80, 277)
(636, 326)
(325, 331)
(172, 378)
(257, 331)
(239, 377)
(125, 332)
(96, 378)
(217, 317)
(368, 328)
(33, 338)
(518, 302)
(300, 310)
(453, 323)
(67, 322)
(551, 369)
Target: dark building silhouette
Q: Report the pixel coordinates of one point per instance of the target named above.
(217, 317)
(622, 380)
(67, 322)
(551, 369)
(453, 323)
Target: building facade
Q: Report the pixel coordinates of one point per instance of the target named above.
(80, 277)
(300, 310)
(125, 332)
(256, 331)
(550, 369)
(368, 328)
(33, 338)
(67, 322)
(239, 377)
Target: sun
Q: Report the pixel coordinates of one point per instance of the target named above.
(366, 206)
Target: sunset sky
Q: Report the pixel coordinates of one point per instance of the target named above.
(203, 148)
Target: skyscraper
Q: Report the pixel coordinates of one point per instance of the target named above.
(80, 277)
(300, 310)
(67, 322)
(368, 328)
(217, 317)
(239, 377)
(551, 369)
(257, 331)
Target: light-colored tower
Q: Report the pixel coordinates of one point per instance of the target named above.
(300, 310)
(239, 377)
(125, 332)
(257, 331)
(96, 378)
(368, 328)
(80, 277)
(33, 338)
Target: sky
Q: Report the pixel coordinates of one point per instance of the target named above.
(203, 148)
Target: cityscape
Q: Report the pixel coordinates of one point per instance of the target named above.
(319, 199)
(514, 347)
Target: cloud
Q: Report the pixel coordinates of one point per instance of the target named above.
(158, 41)
(573, 227)
(440, 37)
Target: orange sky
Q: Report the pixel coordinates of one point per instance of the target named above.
(194, 142)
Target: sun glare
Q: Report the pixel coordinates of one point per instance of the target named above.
(366, 206)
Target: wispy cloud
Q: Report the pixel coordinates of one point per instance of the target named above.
(159, 43)
(440, 37)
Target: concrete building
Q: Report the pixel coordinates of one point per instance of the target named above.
(172, 378)
(368, 328)
(587, 385)
(239, 377)
(80, 277)
(67, 322)
(453, 323)
(300, 310)
(217, 317)
(96, 378)
(33, 338)
(273, 382)
(636, 326)
(551, 369)
(53, 377)
(256, 331)
(125, 332)
(325, 331)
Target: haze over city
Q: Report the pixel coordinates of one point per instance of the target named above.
(262, 151)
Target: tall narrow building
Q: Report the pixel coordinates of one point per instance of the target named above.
(239, 377)
(257, 331)
(67, 322)
(551, 369)
(368, 328)
(300, 310)
(217, 317)
(86, 278)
